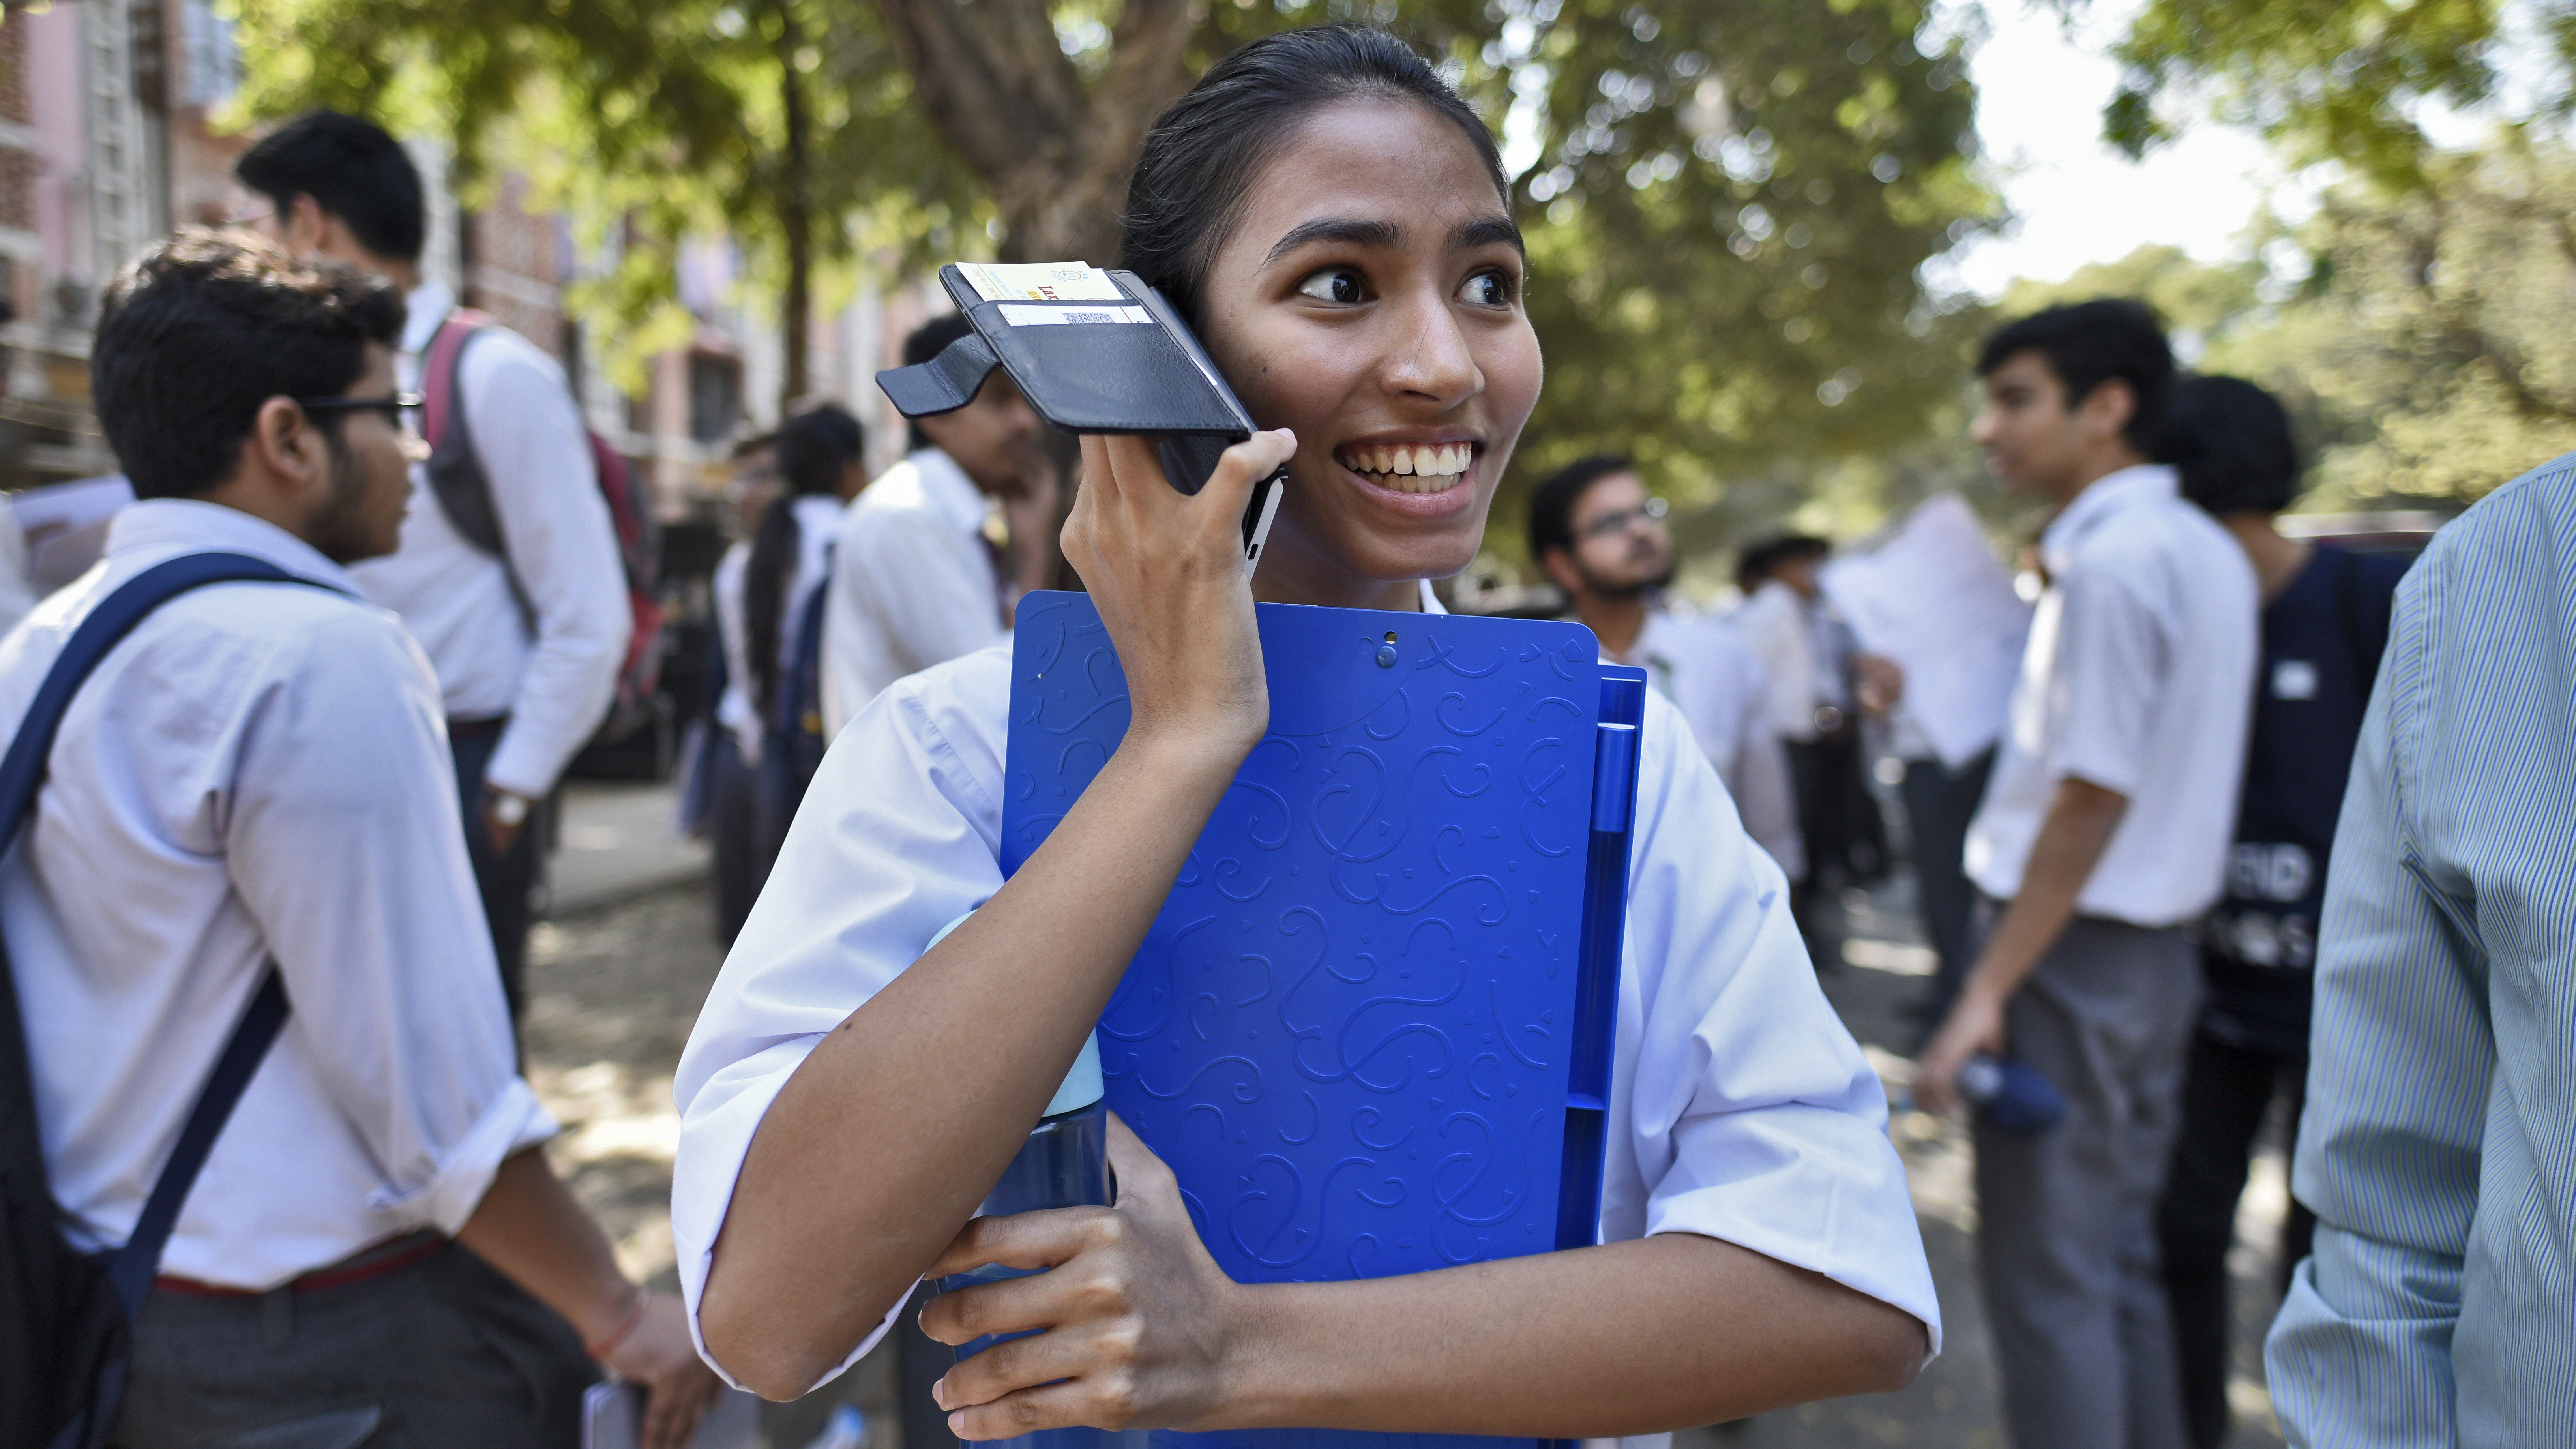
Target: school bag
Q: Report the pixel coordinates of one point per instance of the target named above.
(796, 723)
(66, 1316)
(464, 493)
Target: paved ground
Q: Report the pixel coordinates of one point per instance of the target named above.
(616, 986)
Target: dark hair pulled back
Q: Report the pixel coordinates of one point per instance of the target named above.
(813, 448)
(1208, 147)
(2229, 440)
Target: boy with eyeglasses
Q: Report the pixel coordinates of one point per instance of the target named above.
(1601, 537)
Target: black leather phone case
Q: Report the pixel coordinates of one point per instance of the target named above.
(1086, 371)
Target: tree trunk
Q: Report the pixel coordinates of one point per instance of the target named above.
(1056, 153)
(795, 216)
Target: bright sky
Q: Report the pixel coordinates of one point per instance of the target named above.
(2040, 91)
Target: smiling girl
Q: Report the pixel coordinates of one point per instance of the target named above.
(1333, 221)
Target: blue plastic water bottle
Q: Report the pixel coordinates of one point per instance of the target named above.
(2012, 1094)
(1064, 1163)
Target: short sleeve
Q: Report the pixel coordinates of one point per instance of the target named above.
(898, 836)
(1752, 1116)
(2112, 661)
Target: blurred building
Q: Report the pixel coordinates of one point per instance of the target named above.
(106, 143)
(108, 138)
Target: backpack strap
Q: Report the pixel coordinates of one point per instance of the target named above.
(800, 694)
(22, 770)
(456, 475)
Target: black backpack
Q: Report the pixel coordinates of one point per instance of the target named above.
(66, 1316)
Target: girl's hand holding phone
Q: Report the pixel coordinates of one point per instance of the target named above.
(1166, 572)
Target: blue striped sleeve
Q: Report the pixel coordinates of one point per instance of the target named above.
(2388, 1153)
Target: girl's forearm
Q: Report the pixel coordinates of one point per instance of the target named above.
(1631, 1338)
(886, 1139)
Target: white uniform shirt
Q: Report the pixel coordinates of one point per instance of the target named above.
(2138, 677)
(1704, 666)
(1742, 1109)
(555, 681)
(818, 520)
(913, 583)
(1781, 625)
(258, 771)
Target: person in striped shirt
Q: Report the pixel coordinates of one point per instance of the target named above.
(2439, 1147)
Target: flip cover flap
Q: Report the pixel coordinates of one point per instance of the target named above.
(1356, 1029)
(1087, 366)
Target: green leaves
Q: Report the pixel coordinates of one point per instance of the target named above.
(2329, 80)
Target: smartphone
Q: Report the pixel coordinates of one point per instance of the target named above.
(1094, 351)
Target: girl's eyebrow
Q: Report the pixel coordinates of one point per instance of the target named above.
(1489, 231)
(1386, 234)
(1348, 231)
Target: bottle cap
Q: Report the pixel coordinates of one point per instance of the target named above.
(1083, 1085)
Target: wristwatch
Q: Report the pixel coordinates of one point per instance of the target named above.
(508, 808)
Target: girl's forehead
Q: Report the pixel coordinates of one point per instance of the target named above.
(1391, 165)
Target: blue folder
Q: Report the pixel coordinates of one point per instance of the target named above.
(1372, 1029)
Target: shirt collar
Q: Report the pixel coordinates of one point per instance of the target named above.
(192, 525)
(429, 304)
(2102, 499)
(1431, 601)
(950, 491)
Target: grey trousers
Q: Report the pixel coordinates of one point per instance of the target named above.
(441, 1353)
(2066, 1218)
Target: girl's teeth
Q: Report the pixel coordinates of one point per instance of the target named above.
(1414, 470)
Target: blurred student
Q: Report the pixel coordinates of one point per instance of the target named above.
(2437, 1307)
(528, 642)
(1820, 682)
(1599, 535)
(255, 777)
(2104, 834)
(933, 556)
(729, 750)
(765, 592)
(2325, 624)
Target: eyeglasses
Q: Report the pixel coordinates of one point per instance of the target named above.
(396, 406)
(1651, 511)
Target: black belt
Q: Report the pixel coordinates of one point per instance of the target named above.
(476, 729)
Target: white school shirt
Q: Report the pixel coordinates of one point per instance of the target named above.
(258, 771)
(1744, 1110)
(818, 521)
(1704, 666)
(2138, 677)
(554, 681)
(913, 584)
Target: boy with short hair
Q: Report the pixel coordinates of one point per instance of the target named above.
(2103, 834)
(257, 777)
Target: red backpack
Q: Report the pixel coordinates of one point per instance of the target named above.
(465, 494)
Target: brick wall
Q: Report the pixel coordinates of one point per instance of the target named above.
(513, 267)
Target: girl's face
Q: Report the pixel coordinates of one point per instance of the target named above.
(1370, 300)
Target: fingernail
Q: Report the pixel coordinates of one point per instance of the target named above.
(939, 1392)
(957, 1423)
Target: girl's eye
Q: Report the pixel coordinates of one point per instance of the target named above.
(1334, 284)
(1487, 289)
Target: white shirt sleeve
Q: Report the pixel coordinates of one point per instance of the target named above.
(906, 841)
(343, 841)
(1751, 1115)
(562, 549)
(2112, 666)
